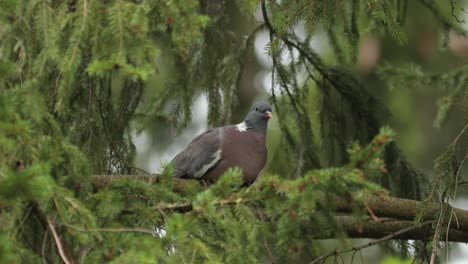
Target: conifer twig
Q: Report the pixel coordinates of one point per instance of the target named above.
(373, 243)
(187, 206)
(83, 26)
(438, 15)
(51, 225)
(43, 248)
(376, 230)
(382, 206)
(114, 230)
(437, 234)
(103, 180)
(373, 229)
(454, 197)
(405, 209)
(455, 141)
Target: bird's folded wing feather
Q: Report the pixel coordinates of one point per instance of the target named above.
(200, 155)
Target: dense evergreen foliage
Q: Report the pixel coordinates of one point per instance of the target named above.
(76, 82)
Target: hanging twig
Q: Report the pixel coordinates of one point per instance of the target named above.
(437, 233)
(113, 230)
(451, 209)
(187, 206)
(455, 141)
(299, 109)
(375, 242)
(51, 225)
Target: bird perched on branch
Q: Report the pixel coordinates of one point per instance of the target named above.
(217, 149)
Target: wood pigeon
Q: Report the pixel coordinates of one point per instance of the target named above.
(217, 149)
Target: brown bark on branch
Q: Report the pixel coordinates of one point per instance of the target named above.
(101, 181)
(393, 235)
(401, 212)
(391, 228)
(405, 209)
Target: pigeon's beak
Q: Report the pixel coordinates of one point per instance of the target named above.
(268, 114)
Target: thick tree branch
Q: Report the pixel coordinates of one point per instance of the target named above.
(405, 209)
(402, 212)
(387, 229)
(101, 181)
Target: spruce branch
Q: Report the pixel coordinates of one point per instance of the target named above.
(374, 242)
(58, 243)
(431, 5)
(455, 141)
(120, 23)
(113, 230)
(406, 209)
(188, 206)
(454, 197)
(82, 29)
(398, 209)
(437, 232)
(101, 180)
(379, 229)
(299, 109)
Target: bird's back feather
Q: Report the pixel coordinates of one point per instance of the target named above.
(200, 155)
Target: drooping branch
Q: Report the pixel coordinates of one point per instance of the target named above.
(365, 229)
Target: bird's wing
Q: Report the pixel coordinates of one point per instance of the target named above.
(200, 155)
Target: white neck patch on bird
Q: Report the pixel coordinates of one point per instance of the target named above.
(242, 127)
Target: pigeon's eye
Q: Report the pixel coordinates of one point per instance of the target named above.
(256, 109)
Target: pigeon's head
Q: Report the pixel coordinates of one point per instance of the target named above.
(258, 116)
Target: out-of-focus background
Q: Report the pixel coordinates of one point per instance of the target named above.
(413, 107)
